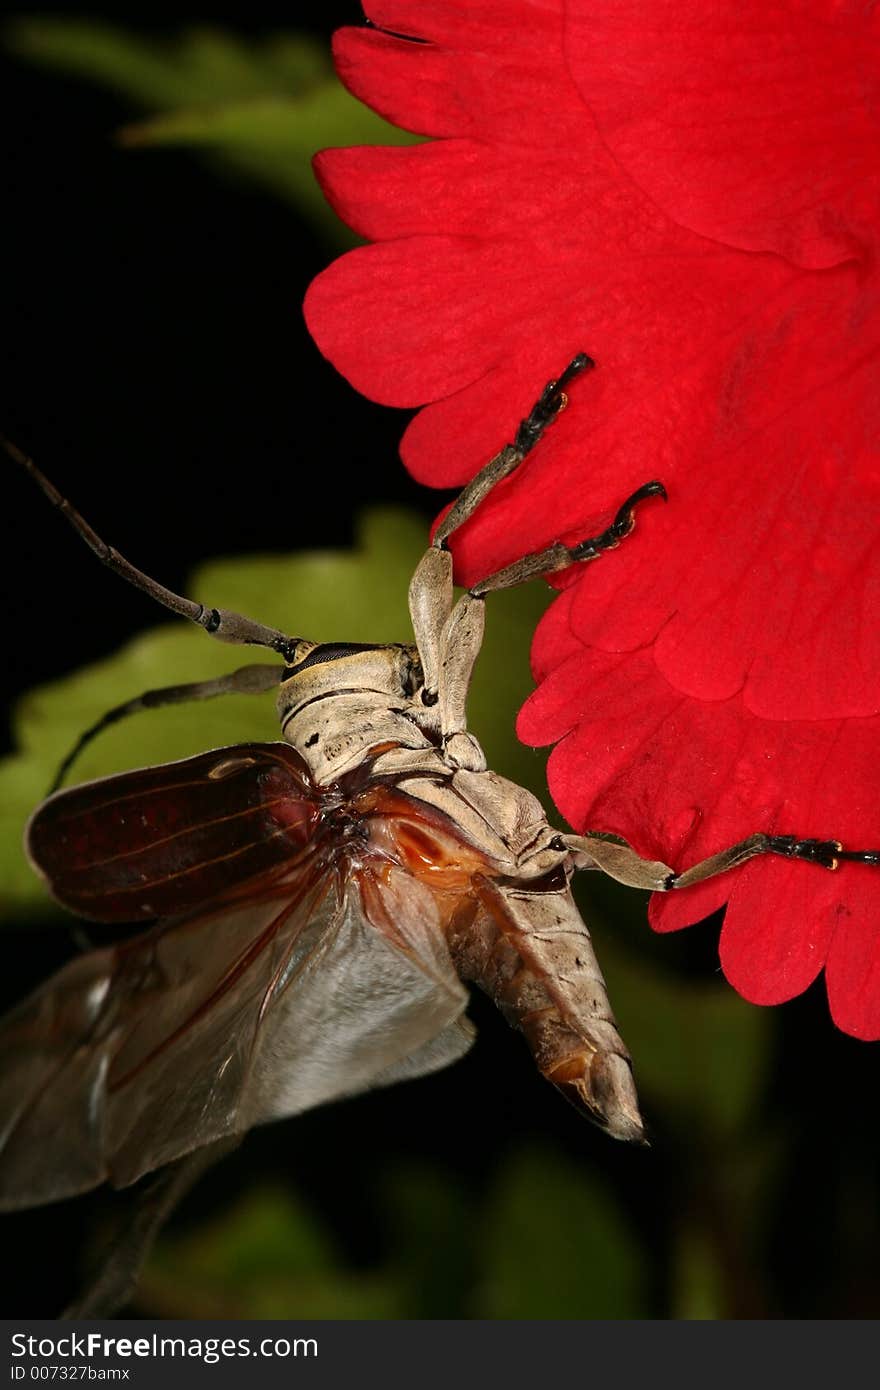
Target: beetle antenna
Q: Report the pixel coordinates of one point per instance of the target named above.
(248, 680)
(221, 623)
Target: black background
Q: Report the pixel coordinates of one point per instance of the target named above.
(156, 363)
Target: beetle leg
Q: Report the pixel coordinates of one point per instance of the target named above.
(827, 853)
(448, 640)
(619, 860)
(559, 556)
(430, 592)
(616, 859)
(460, 644)
(430, 606)
(543, 412)
(247, 680)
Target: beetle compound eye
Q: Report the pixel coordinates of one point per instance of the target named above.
(413, 677)
(326, 651)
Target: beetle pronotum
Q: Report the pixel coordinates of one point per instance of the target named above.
(321, 901)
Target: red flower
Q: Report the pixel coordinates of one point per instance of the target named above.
(690, 194)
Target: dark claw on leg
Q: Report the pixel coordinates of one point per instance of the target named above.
(551, 401)
(824, 852)
(828, 853)
(861, 856)
(625, 519)
(542, 414)
(622, 524)
(558, 556)
(582, 363)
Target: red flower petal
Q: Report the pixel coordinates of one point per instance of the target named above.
(471, 78)
(853, 969)
(765, 571)
(728, 583)
(752, 121)
(720, 673)
(451, 187)
(773, 956)
(682, 779)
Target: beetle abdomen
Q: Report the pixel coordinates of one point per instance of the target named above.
(530, 951)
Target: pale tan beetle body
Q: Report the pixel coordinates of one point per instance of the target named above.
(520, 937)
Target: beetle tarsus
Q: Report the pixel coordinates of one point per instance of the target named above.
(861, 856)
(548, 405)
(559, 556)
(551, 401)
(623, 523)
(828, 853)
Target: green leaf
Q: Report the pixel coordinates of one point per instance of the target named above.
(272, 140)
(265, 1258)
(697, 1287)
(431, 1224)
(557, 1246)
(259, 108)
(357, 596)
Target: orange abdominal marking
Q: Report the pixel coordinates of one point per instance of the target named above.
(439, 859)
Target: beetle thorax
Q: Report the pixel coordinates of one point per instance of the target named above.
(341, 702)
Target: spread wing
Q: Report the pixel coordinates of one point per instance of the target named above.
(162, 840)
(318, 978)
(201, 1028)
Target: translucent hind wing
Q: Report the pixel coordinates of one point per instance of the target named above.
(207, 1025)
